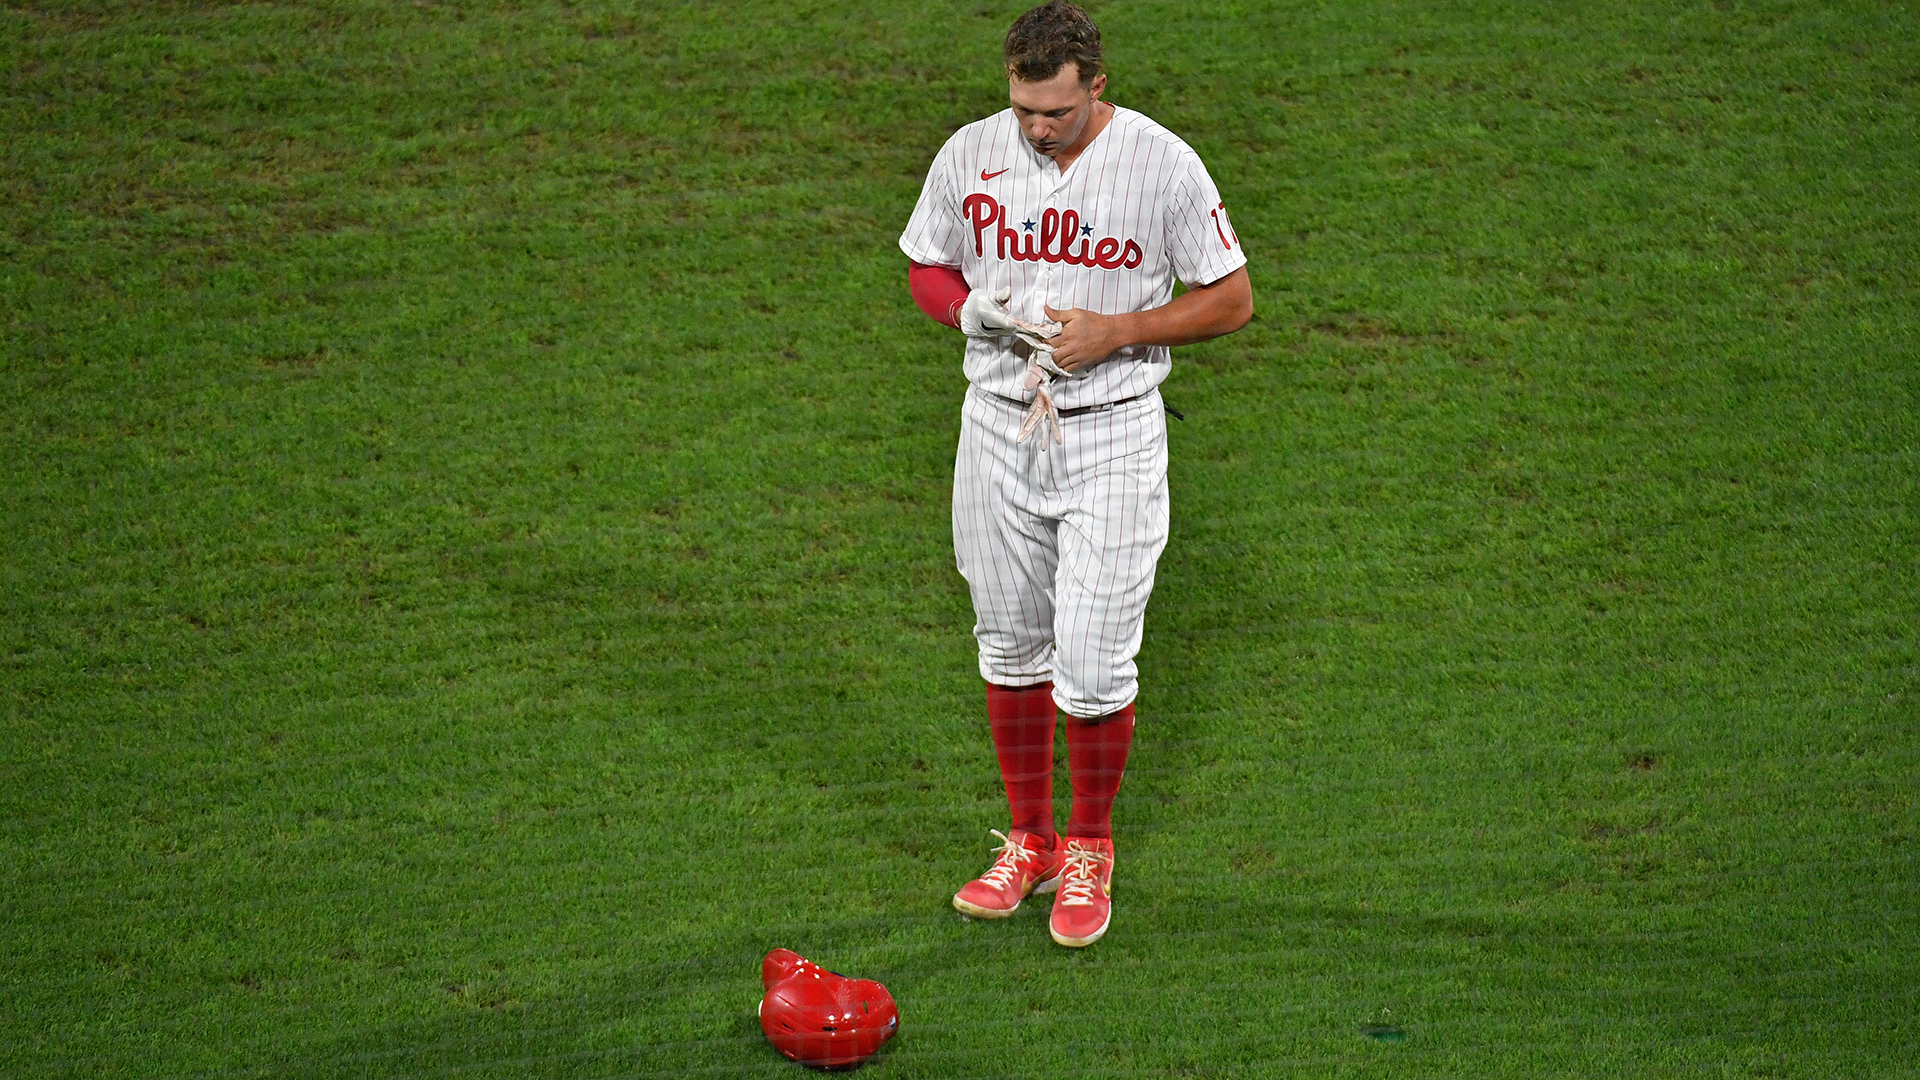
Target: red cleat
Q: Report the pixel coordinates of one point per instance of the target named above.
(1024, 866)
(1084, 905)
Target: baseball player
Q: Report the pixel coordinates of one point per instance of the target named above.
(1051, 234)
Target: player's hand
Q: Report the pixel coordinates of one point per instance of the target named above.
(1086, 338)
(985, 313)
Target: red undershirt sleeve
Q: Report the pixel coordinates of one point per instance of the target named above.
(939, 290)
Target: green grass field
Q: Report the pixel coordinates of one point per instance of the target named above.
(477, 571)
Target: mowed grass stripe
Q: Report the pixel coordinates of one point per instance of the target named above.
(1680, 948)
(1230, 894)
(746, 1045)
(1683, 749)
(943, 1061)
(1429, 1029)
(1603, 955)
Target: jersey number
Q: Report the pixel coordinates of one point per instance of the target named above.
(1224, 227)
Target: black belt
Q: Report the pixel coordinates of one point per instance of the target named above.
(1081, 410)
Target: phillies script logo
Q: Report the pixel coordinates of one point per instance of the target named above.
(1054, 244)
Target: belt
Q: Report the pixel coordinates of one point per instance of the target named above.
(1077, 410)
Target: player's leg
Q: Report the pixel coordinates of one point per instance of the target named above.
(1096, 761)
(1003, 544)
(1113, 527)
(1027, 860)
(1111, 537)
(1022, 722)
(1005, 550)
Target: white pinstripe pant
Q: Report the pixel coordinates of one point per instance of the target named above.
(1059, 548)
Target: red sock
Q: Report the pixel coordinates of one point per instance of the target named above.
(1096, 758)
(1022, 722)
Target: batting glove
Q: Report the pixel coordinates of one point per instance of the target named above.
(1043, 412)
(985, 313)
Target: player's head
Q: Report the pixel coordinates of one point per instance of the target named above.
(1053, 74)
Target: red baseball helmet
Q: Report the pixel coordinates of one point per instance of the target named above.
(819, 1018)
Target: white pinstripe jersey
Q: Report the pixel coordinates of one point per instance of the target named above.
(1109, 235)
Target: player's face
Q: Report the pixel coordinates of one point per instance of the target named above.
(1054, 112)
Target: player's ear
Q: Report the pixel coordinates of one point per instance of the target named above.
(1097, 87)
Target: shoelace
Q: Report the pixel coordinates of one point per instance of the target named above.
(1012, 854)
(1081, 873)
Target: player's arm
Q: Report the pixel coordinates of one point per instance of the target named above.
(1206, 311)
(940, 291)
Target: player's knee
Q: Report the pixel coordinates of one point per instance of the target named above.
(1094, 692)
(1014, 664)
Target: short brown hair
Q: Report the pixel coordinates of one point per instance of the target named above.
(1050, 37)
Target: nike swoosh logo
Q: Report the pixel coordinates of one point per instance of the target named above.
(985, 175)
